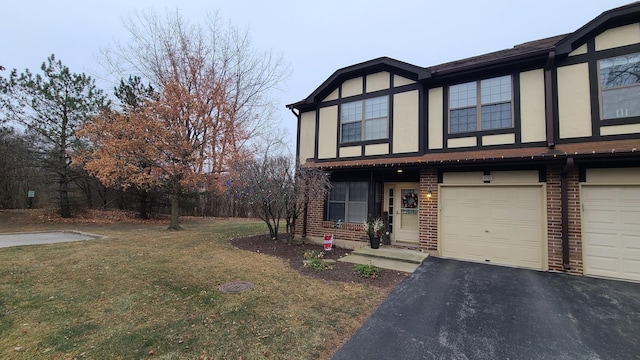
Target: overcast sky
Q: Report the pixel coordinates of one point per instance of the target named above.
(316, 38)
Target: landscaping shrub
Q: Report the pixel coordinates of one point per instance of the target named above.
(366, 270)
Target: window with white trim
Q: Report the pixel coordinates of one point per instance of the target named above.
(348, 202)
(481, 105)
(364, 120)
(620, 86)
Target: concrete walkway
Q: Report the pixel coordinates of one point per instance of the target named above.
(387, 257)
(451, 309)
(8, 240)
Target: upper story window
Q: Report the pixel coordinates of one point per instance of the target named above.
(620, 86)
(348, 202)
(480, 105)
(365, 120)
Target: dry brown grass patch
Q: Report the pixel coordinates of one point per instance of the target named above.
(144, 289)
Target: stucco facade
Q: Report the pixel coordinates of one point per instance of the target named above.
(498, 158)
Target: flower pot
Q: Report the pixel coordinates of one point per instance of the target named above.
(375, 242)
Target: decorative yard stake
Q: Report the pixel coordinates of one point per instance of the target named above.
(328, 242)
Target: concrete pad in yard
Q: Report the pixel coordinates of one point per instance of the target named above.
(8, 240)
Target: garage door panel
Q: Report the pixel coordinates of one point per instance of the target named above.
(631, 269)
(526, 217)
(605, 266)
(599, 240)
(468, 245)
(501, 224)
(498, 214)
(611, 231)
(502, 254)
(600, 215)
(631, 243)
(598, 195)
(529, 240)
(630, 217)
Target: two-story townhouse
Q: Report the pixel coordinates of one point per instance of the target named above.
(525, 157)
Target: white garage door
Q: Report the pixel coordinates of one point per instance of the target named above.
(611, 231)
(495, 224)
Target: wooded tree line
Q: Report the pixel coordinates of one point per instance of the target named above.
(192, 114)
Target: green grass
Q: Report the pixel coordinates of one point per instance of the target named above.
(143, 288)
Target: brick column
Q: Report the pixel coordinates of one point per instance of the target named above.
(575, 222)
(554, 218)
(428, 210)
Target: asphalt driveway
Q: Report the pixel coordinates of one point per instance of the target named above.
(451, 309)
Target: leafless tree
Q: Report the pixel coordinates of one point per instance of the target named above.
(277, 190)
(213, 65)
(166, 48)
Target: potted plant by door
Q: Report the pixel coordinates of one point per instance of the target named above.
(373, 227)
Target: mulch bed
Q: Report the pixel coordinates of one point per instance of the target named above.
(341, 271)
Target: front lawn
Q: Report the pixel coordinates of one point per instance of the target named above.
(144, 292)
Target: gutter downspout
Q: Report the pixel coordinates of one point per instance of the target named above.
(305, 210)
(564, 200)
(548, 99)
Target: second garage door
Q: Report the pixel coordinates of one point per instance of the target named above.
(611, 231)
(496, 224)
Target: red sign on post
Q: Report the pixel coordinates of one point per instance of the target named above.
(328, 242)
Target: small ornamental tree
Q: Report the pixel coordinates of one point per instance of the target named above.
(276, 191)
(309, 184)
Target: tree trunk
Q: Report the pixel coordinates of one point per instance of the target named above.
(65, 206)
(89, 197)
(144, 205)
(175, 208)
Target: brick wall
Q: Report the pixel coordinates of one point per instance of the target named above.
(315, 214)
(428, 210)
(554, 220)
(575, 222)
(317, 227)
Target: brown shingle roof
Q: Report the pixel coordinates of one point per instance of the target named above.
(519, 51)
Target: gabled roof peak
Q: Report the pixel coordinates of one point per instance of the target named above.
(619, 16)
(383, 63)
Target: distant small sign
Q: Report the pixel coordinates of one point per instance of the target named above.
(31, 193)
(328, 242)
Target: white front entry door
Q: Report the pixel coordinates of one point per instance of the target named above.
(402, 201)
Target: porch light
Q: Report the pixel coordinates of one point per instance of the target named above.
(429, 194)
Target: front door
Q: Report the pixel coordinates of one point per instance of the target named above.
(401, 201)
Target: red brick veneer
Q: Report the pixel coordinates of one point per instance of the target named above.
(428, 210)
